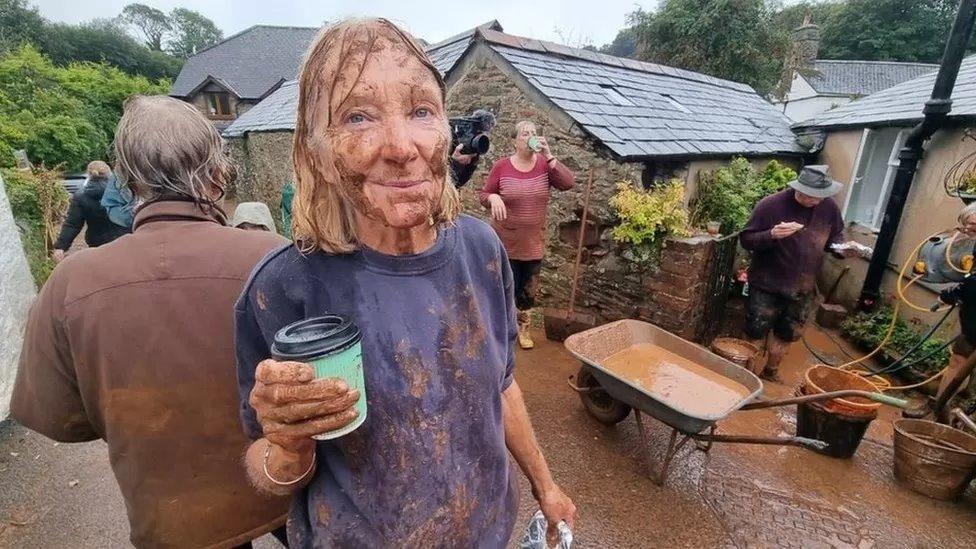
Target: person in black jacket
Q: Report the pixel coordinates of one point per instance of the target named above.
(86, 209)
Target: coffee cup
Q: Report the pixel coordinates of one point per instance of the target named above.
(332, 346)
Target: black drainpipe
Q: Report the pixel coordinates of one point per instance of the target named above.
(936, 112)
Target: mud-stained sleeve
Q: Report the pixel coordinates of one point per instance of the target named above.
(46, 397)
(251, 348)
(560, 176)
(491, 184)
(511, 333)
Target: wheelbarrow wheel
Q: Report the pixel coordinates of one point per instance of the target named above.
(598, 403)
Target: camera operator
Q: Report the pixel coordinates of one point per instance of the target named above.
(463, 165)
(469, 137)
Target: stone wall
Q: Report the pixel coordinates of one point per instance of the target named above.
(610, 287)
(264, 165)
(16, 293)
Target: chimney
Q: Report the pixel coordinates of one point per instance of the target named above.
(806, 42)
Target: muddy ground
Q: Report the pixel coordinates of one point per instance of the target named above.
(61, 495)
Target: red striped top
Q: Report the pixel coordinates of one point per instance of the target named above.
(526, 198)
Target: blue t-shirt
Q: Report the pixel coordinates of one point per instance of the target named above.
(429, 466)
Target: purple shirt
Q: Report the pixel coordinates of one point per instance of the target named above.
(429, 466)
(789, 266)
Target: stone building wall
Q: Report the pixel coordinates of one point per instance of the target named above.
(16, 293)
(610, 287)
(263, 166)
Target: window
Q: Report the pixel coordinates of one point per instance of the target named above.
(616, 97)
(218, 104)
(874, 170)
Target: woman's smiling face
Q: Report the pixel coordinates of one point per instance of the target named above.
(387, 131)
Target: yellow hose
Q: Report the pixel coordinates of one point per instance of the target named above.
(948, 257)
(919, 384)
(901, 274)
(894, 316)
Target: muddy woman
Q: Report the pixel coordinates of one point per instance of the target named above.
(378, 239)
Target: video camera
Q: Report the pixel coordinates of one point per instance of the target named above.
(471, 132)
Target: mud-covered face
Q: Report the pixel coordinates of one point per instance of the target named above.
(388, 133)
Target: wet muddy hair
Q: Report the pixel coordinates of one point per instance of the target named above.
(166, 149)
(322, 216)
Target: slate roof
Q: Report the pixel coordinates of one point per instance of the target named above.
(637, 110)
(250, 62)
(644, 110)
(841, 77)
(901, 104)
(444, 54)
(277, 111)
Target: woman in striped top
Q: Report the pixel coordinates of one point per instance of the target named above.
(517, 191)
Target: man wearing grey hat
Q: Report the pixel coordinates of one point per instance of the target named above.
(788, 234)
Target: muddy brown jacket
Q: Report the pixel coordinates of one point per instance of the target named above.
(133, 342)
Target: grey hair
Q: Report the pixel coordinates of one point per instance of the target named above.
(966, 213)
(166, 148)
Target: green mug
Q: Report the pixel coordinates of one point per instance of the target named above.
(332, 345)
(533, 143)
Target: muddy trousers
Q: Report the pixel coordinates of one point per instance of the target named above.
(279, 534)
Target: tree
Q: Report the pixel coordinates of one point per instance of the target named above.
(731, 39)
(896, 30)
(192, 32)
(19, 23)
(108, 42)
(62, 115)
(623, 45)
(151, 22)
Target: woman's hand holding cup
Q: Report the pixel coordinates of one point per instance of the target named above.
(292, 406)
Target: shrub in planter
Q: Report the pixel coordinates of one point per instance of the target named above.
(647, 218)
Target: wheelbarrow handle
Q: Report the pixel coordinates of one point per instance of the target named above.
(877, 397)
(576, 387)
(776, 441)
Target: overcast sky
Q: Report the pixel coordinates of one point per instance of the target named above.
(580, 21)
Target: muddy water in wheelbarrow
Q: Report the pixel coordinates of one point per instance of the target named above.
(596, 349)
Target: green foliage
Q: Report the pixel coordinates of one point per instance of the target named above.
(19, 23)
(729, 194)
(731, 39)
(61, 115)
(38, 203)
(623, 45)
(192, 32)
(894, 30)
(867, 330)
(106, 42)
(648, 217)
(95, 41)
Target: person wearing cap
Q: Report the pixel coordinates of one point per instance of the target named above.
(788, 234)
(253, 216)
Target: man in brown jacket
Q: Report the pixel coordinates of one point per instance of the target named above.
(133, 342)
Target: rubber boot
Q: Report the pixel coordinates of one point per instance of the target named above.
(524, 329)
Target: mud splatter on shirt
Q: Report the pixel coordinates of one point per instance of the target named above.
(429, 466)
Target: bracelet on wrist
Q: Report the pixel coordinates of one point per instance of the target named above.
(267, 454)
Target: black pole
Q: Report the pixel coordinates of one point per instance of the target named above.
(936, 111)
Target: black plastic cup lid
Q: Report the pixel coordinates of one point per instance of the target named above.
(314, 337)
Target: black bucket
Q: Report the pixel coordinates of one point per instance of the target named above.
(842, 433)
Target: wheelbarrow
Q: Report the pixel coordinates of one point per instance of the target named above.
(609, 396)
